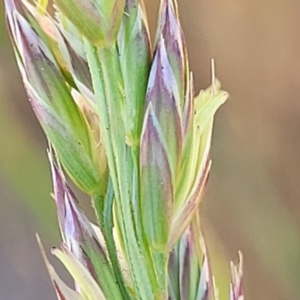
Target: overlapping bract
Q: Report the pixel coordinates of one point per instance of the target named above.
(51, 99)
(176, 136)
(123, 122)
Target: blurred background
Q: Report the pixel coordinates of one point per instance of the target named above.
(253, 198)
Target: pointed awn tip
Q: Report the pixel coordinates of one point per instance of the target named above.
(213, 74)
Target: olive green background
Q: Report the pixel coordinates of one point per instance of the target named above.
(253, 197)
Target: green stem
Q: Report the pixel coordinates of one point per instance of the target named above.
(104, 68)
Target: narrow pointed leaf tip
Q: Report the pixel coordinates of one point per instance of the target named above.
(98, 21)
(169, 28)
(75, 228)
(79, 236)
(63, 292)
(88, 287)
